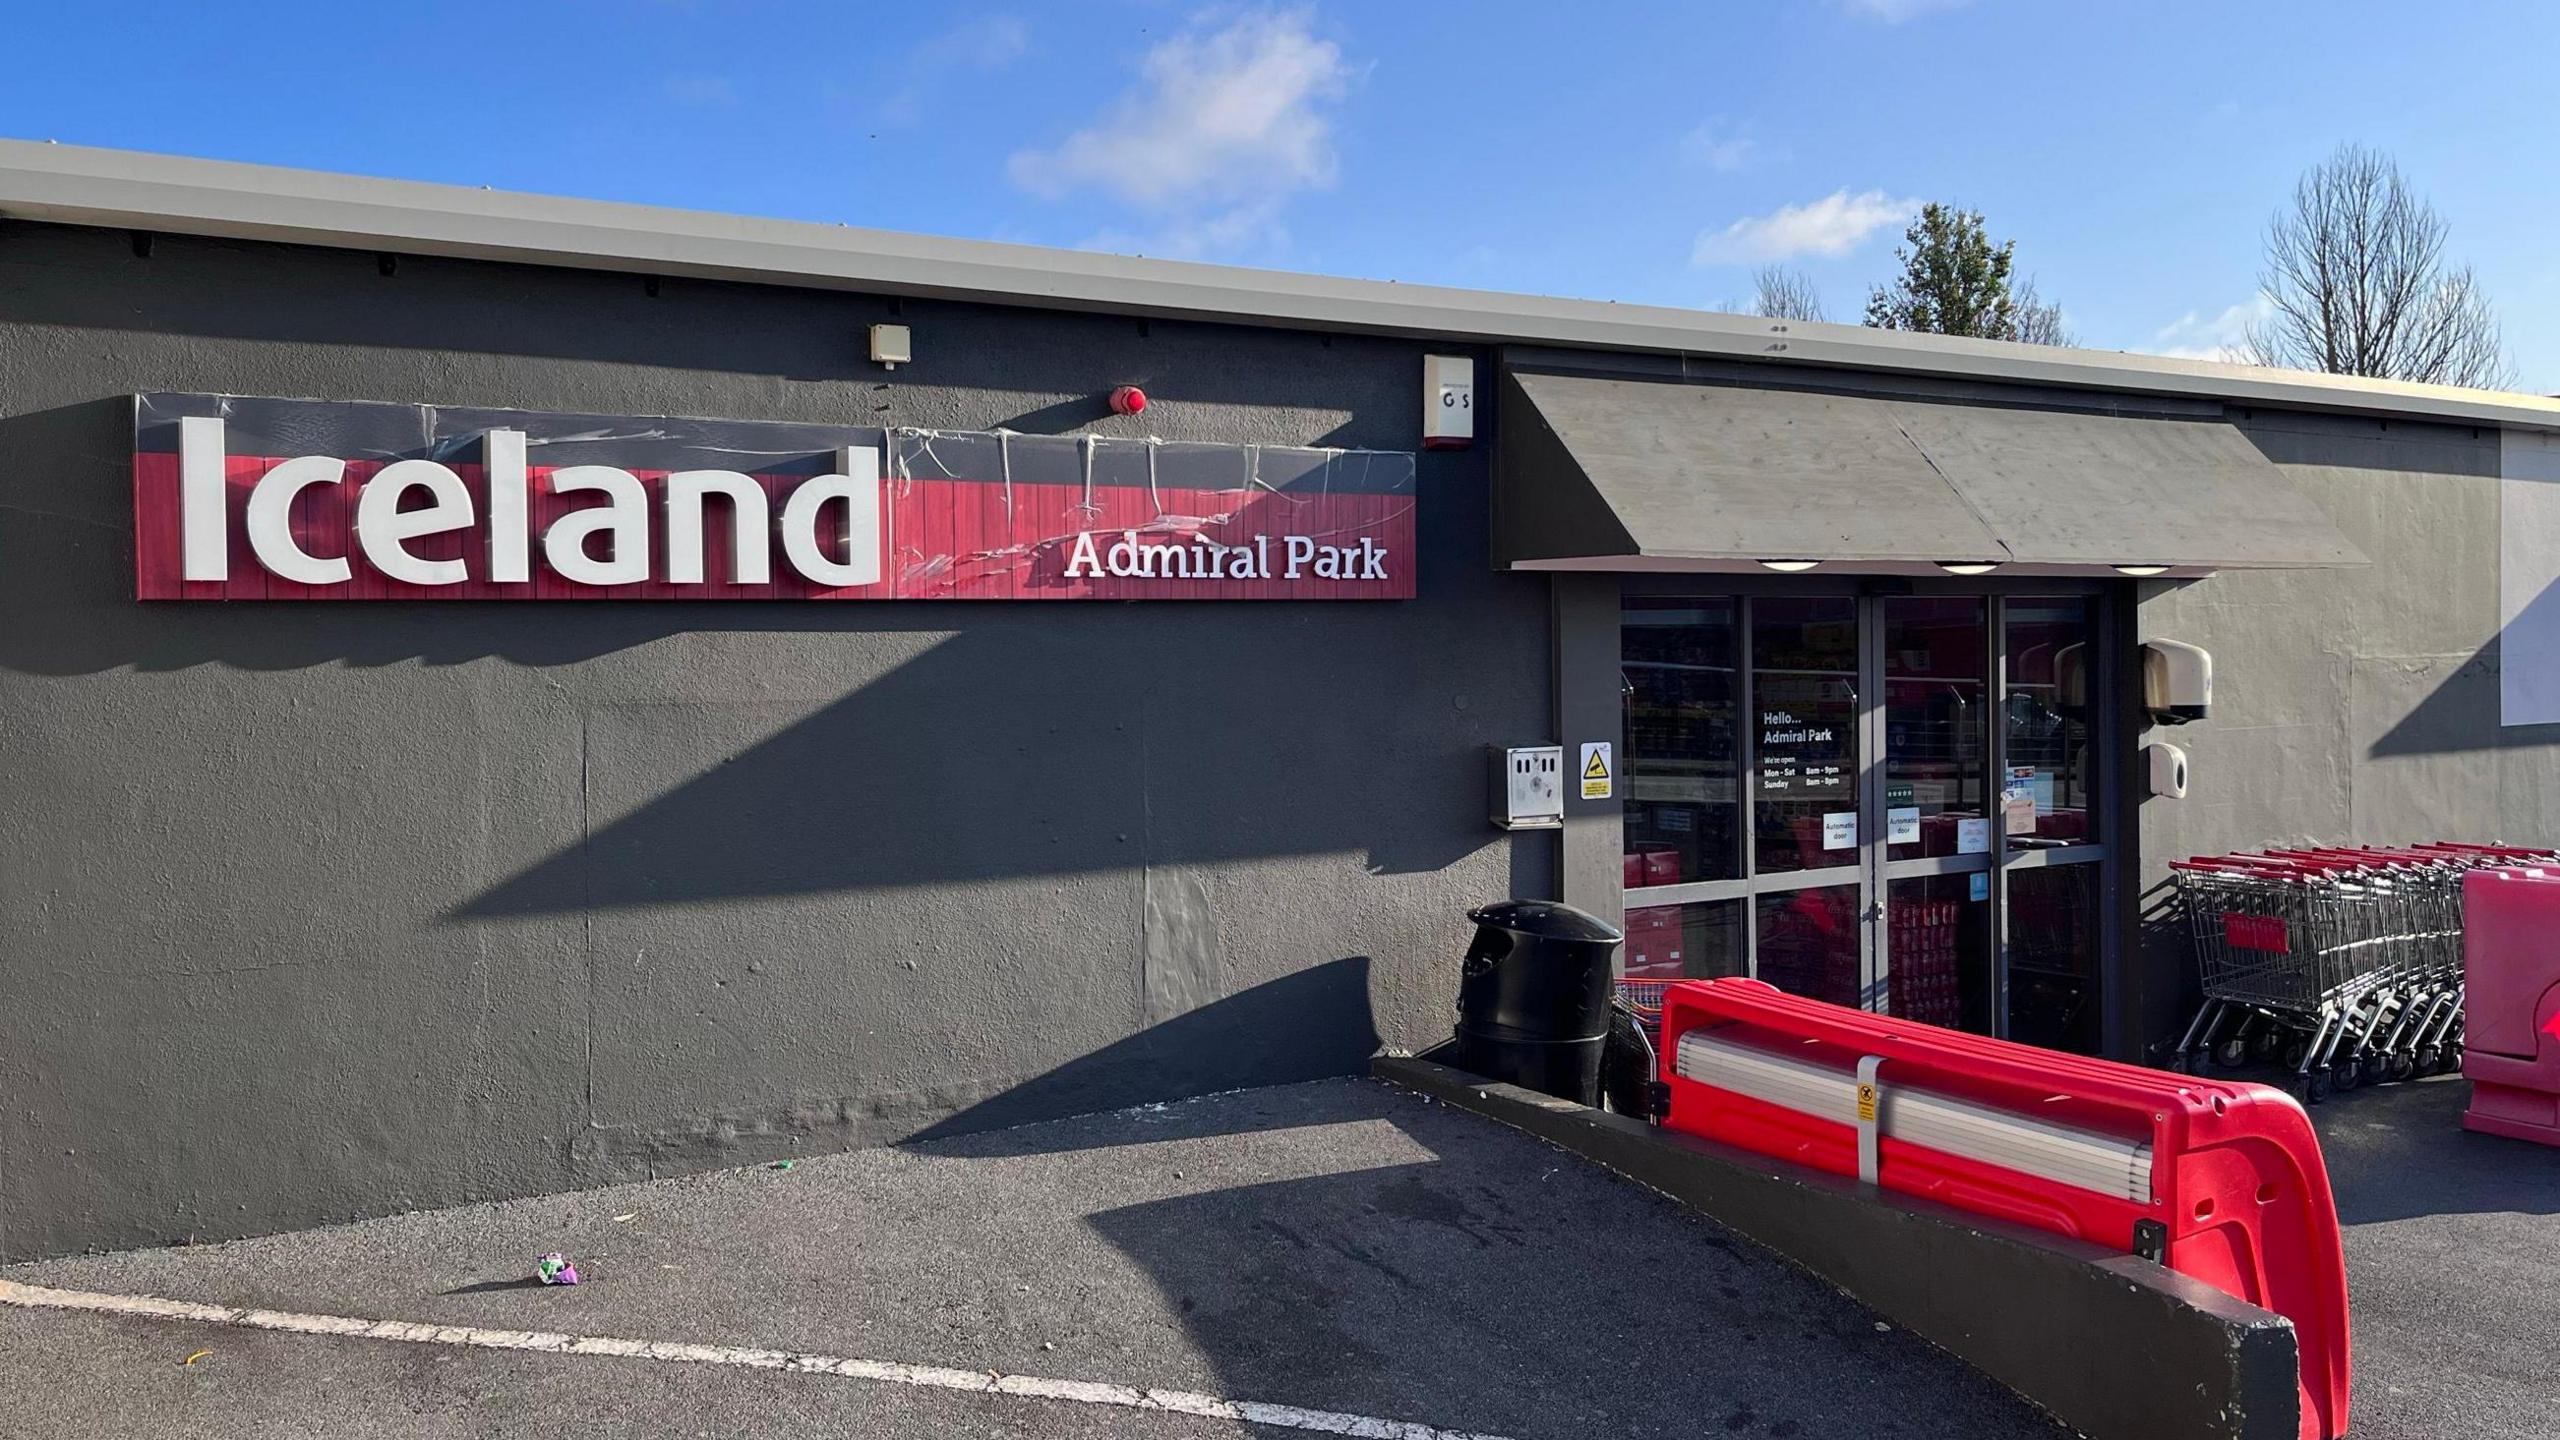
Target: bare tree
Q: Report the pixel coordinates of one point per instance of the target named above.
(1780, 293)
(2356, 273)
(2034, 321)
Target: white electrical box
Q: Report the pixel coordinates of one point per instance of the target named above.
(1448, 402)
(892, 345)
(1527, 786)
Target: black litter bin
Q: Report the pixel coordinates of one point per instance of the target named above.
(1533, 999)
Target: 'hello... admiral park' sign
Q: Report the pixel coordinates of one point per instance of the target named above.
(249, 499)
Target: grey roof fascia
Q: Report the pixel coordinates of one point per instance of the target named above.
(78, 185)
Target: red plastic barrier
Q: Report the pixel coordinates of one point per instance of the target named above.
(2236, 1184)
(2511, 1002)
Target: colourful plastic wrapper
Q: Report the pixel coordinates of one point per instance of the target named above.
(554, 1269)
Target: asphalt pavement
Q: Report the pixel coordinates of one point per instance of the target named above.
(2453, 1267)
(1343, 1247)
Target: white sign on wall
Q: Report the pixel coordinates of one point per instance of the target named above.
(1595, 770)
(2528, 579)
(1448, 402)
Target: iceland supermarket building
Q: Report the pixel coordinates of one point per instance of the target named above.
(500, 694)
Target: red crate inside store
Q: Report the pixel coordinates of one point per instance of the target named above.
(1923, 982)
(1653, 943)
(1651, 866)
(2231, 1172)
(2063, 825)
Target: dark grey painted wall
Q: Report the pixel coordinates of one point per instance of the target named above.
(311, 911)
(2350, 706)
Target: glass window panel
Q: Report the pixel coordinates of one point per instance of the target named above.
(2047, 793)
(1940, 957)
(1700, 941)
(1804, 701)
(1682, 753)
(1809, 942)
(1666, 943)
(2053, 957)
(1937, 721)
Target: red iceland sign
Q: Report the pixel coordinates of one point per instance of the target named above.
(249, 499)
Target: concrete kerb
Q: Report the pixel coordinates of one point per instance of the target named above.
(2111, 1345)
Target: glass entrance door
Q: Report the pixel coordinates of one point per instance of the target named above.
(2053, 872)
(1878, 800)
(1937, 800)
(1808, 865)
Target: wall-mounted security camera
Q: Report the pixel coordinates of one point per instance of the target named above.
(2177, 681)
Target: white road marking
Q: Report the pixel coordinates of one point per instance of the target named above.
(931, 1377)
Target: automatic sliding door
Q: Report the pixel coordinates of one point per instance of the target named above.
(1810, 941)
(1937, 796)
(1887, 800)
(1804, 710)
(1938, 942)
(1808, 877)
(2055, 865)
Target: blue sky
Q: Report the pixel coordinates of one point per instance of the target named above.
(1634, 152)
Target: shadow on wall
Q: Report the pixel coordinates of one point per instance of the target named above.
(1308, 1025)
(2164, 945)
(956, 766)
(2465, 712)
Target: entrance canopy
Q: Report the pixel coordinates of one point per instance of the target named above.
(1601, 473)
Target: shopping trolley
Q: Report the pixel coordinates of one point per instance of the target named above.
(2346, 962)
(1644, 998)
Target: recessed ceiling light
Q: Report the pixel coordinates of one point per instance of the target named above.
(2139, 571)
(1968, 567)
(1789, 567)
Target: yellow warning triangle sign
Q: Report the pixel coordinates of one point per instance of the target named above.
(1595, 768)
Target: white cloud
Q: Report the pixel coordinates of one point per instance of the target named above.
(2197, 336)
(1833, 225)
(985, 45)
(1894, 12)
(1221, 117)
(1719, 148)
(1254, 225)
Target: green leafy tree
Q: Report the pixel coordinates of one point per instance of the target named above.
(1954, 281)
